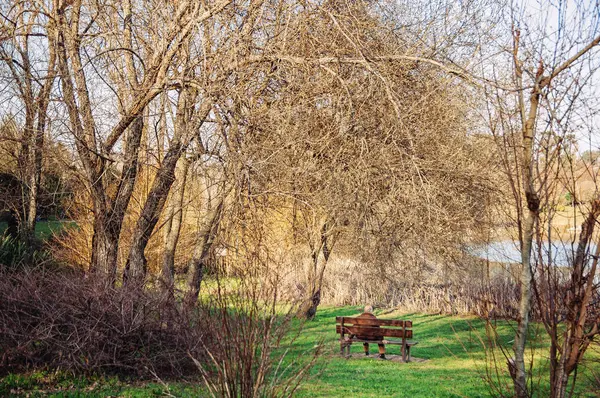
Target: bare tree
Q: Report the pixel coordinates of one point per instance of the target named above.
(145, 70)
(32, 74)
(175, 209)
(543, 67)
(357, 139)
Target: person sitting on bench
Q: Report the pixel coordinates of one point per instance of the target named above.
(368, 313)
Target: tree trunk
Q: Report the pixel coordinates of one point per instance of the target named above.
(308, 309)
(528, 121)
(109, 213)
(579, 297)
(37, 149)
(206, 236)
(188, 121)
(561, 378)
(520, 376)
(173, 228)
(105, 248)
(135, 268)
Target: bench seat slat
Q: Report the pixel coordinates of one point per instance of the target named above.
(383, 341)
(373, 322)
(399, 342)
(373, 332)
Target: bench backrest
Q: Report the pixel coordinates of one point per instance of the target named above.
(373, 328)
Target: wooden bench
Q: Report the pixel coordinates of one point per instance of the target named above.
(374, 331)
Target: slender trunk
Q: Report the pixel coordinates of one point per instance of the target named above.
(135, 268)
(104, 245)
(561, 378)
(528, 120)
(25, 170)
(175, 216)
(36, 158)
(206, 236)
(579, 296)
(308, 309)
(520, 376)
(25, 156)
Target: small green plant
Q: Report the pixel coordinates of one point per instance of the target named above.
(14, 253)
(11, 251)
(569, 197)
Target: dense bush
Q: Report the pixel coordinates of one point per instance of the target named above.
(50, 319)
(233, 338)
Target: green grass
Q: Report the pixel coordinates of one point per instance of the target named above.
(454, 366)
(452, 347)
(45, 229)
(46, 384)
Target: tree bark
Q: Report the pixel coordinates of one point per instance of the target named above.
(579, 296)
(204, 241)
(173, 227)
(109, 212)
(528, 120)
(135, 268)
(188, 121)
(35, 104)
(308, 309)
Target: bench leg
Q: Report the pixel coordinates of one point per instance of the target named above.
(344, 349)
(403, 352)
(381, 350)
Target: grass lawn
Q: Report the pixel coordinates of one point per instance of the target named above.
(452, 347)
(454, 366)
(45, 229)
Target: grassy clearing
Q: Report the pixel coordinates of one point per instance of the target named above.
(453, 347)
(61, 385)
(455, 366)
(45, 229)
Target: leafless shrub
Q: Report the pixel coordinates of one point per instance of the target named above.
(250, 339)
(402, 284)
(63, 320)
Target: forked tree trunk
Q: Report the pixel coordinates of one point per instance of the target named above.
(108, 219)
(94, 154)
(108, 212)
(31, 150)
(528, 120)
(308, 308)
(188, 121)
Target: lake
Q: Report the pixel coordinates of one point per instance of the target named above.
(508, 251)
